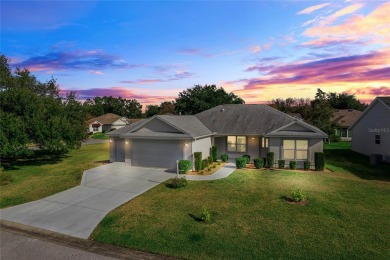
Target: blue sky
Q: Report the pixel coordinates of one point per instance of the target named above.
(152, 50)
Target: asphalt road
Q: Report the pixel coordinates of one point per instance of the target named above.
(18, 246)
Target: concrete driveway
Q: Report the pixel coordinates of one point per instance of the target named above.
(77, 211)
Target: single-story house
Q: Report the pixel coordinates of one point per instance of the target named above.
(345, 119)
(106, 122)
(235, 129)
(371, 132)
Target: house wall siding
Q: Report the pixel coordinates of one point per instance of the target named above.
(91, 128)
(158, 126)
(375, 122)
(119, 123)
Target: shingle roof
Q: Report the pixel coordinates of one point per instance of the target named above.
(106, 119)
(346, 117)
(244, 119)
(385, 100)
(125, 129)
(189, 124)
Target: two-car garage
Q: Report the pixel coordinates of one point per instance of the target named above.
(149, 153)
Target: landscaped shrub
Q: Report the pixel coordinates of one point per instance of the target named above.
(219, 162)
(209, 169)
(201, 172)
(247, 157)
(210, 159)
(205, 163)
(176, 183)
(319, 161)
(259, 163)
(240, 162)
(270, 160)
(214, 166)
(184, 166)
(334, 138)
(306, 165)
(205, 215)
(298, 195)
(198, 161)
(214, 153)
(281, 164)
(293, 165)
(225, 157)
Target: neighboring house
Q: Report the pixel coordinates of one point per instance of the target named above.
(345, 119)
(106, 122)
(235, 129)
(371, 132)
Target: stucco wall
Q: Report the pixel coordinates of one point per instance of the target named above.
(252, 147)
(91, 129)
(201, 145)
(375, 122)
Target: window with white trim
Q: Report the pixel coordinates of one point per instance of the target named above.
(95, 128)
(236, 144)
(264, 142)
(295, 149)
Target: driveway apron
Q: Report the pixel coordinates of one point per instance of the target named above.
(77, 211)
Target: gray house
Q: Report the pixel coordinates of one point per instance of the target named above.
(235, 129)
(371, 132)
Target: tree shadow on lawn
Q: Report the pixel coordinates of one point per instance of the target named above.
(357, 164)
(38, 158)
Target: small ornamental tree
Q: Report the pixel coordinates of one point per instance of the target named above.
(214, 153)
(198, 161)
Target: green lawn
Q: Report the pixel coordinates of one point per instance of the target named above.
(42, 175)
(347, 217)
(99, 136)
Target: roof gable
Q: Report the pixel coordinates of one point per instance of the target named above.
(384, 101)
(297, 129)
(159, 126)
(107, 119)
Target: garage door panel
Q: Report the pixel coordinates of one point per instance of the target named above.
(155, 153)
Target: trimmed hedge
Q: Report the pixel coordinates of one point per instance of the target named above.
(319, 161)
(225, 157)
(184, 166)
(214, 153)
(210, 159)
(293, 165)
(281, 164)
(240, 162)
(259, 163)
(306, 165)
(270, 160)
(247, 157)
(205, 163)
(198, 161)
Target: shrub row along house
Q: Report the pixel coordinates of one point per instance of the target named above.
(235, 129)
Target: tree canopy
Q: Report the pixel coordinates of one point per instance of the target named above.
(33, 112)
(98, 106)
(200, 98)
(319, 111)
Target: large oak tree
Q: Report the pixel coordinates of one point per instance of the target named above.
(33, 112)
(200, 98)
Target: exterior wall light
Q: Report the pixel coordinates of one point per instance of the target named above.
(110, 140)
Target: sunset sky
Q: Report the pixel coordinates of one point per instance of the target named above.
(152, 50)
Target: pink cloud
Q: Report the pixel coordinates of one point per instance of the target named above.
(372, 28)
(311, 9)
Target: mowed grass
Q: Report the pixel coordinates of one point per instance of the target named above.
(42, 175)
(347, 217)
(99, 136)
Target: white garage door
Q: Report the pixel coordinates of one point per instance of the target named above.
(156, 153)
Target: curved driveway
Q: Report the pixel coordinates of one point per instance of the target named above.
(77, 211)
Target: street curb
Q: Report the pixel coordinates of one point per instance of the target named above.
(82, 244)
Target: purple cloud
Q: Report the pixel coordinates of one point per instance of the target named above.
(75, 60)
